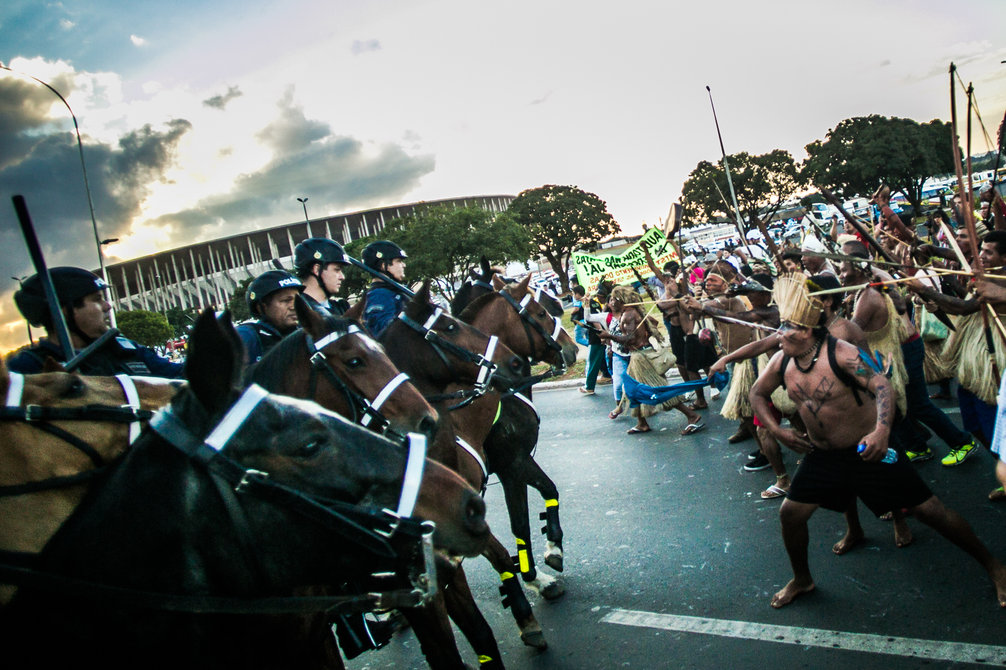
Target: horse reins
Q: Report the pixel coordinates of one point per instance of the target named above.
(41, 417)
(484, 361)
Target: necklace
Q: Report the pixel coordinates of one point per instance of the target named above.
(816, 348)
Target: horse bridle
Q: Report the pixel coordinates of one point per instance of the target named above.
(484, 361)
(41, 417)
(530, 323)
(365, 412)
(388, 536)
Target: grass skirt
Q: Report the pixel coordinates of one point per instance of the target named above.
(737, 404)
(967, 354)
(887, 340)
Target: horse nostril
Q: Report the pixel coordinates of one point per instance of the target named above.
(427, 426)
(475, 512)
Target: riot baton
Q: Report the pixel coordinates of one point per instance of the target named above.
(404, 290)
(35, 251)
(72, 363)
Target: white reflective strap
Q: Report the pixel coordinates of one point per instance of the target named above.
(488, 356)
(385, 393)
(537, 294)
(15, 389)
(236, 416)
(334, 337)
(474, 454)
(527, 401)
(524, 302)
(133, 400)
(558, 328)
(413, 477)
(433, 319)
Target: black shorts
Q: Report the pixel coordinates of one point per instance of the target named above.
(834, 478)
(698, 356)
(677, 335)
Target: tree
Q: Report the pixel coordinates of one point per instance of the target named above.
(560, 220)
(443, 242)
(861, 153)
(181, 320)
(761, 182)
(237, 305)
(148, 328)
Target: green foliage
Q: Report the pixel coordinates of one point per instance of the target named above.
(237, 305)
(861, 153)
(181, 320)
(150, 329)
(560, 220)
(760, 182)
(443, 242)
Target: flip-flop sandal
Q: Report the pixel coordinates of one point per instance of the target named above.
(998, 494)
(614, 415)
(693, 428)
(773, 492)
(637, 431)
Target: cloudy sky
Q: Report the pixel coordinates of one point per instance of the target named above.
(202, 119)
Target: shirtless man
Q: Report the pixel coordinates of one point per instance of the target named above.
(840, 414)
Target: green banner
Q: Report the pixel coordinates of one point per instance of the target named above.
(618, 268)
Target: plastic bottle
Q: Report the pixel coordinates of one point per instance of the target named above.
(890, 457)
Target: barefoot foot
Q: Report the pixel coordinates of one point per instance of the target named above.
(851, 539)
(902, 533)
(999, 579)
(789, 592)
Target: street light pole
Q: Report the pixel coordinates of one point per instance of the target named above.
(83, 166)
(303, 202)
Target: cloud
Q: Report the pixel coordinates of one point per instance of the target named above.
(137, 41)
(66, 24)
(363, 46)
(220, 101)
(538, 101)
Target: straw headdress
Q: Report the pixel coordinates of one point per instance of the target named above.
(792, 297)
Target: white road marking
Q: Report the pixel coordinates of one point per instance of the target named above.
(954, 652)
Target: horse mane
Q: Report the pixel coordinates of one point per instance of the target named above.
(475, 306)
(277, 361)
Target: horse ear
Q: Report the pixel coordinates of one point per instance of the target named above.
(522, 286)
(423, 294)
(52, 365)
(213, 361)
(498, 282)
(356, 311)
(308, 319)
(486, 268)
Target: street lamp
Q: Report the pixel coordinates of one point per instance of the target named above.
(303, 202)
(83, 167)
(20, 284)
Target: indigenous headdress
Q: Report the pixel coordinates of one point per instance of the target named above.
(626, 295)
(792, 296)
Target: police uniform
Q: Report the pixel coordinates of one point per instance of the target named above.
(119, 356)
(383, 305)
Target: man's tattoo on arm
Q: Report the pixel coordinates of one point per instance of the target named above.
(884, 405)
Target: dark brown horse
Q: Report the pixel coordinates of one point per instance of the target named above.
(229, 502)
(513, 313)
(414, 350)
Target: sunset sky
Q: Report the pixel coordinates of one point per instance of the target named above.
(203, 119)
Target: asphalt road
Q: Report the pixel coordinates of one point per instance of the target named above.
(672, 556)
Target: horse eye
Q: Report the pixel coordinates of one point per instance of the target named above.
(76, 387)
(354, 363)
(311, 449)
(451, 327)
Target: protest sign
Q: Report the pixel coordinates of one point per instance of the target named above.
(618, 268)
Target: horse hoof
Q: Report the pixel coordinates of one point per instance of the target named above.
(554, 561)
(534, 638)
(553, 590)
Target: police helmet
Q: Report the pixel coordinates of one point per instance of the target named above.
(318, 250)
(71, 284)
(381, 251)
(268, 283)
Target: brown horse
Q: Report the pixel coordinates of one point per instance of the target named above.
(512, 312)
(225, 505)
(48, 460)
(414, 349)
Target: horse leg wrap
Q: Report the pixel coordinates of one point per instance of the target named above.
(552, 530)
(513, 597)
(525, 561)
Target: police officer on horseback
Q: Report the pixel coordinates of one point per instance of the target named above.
(384, 302)
(85, 307)
(319, 263)
(271, 298)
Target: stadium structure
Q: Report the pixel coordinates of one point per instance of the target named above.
(206, 274)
